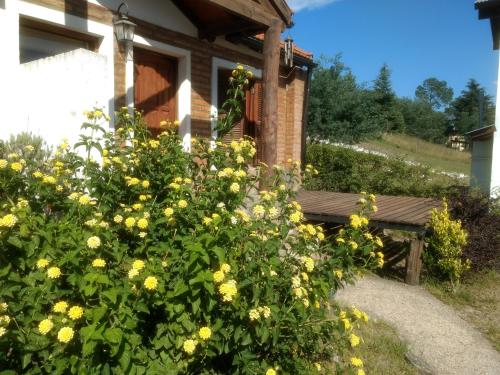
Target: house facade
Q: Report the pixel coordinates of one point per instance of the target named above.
(62, 57)
(490, 142)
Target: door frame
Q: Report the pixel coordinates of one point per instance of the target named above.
(218, 63)
(183, 97)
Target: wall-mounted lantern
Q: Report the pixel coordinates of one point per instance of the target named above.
(124, 28)
(289, 52)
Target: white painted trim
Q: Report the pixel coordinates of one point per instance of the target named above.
(104, 32)
(183, 78)
(218, 63)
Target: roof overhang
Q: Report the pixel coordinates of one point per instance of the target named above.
(490, 9)
(482, 134)
(222, 17)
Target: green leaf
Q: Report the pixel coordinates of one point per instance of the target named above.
(26, 360)
(15, 241)
(111, 294)
(113, 335)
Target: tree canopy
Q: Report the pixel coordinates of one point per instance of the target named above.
(343, 110)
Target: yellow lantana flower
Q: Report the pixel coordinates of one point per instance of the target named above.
(295, 216)
(133, 273)
(151, 283)
(65, 334)
(354, 340)
(218, 277)
(205, 333)
(271, 371)
(8, 221)
(356, 362)
(228, 290)
(98, 263)
(234, 188)
(182, 203)
(138, 264)
(129, 222)
(60, 307)
(225, 268)
(42, 263)
(17, 167)
(189, 346)
(168, 211)
(254, 314)
(54, 272)
(308, 263)
(75, 312)
(94, 242)
(84, 200)
(142, 223)
(45, 326)
(258, 210)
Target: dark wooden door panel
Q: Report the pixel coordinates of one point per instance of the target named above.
(155, 87)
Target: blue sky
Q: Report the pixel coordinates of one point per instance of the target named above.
(417, 38)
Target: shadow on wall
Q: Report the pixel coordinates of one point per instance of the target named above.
(2, 4)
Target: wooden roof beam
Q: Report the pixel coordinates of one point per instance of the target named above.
(248, 10)
(237, 27)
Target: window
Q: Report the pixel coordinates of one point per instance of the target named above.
(38, 40)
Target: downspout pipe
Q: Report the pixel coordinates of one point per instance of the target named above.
(305, 112)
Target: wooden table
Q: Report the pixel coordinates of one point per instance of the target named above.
(394, 212)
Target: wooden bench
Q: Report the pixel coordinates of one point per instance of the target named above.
(403, 213)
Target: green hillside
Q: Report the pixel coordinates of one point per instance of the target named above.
(417, 150)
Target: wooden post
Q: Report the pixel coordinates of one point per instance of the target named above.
(270, 92)
(414, 260)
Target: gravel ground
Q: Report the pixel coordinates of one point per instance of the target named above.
(438, 339)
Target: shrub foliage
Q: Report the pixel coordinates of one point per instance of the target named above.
(446, 241)
(140, 257)
(480, 216)
(349, 171)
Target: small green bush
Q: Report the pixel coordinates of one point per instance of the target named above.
(26, 145)
(153, 260)
(443, 256)
(349, 171)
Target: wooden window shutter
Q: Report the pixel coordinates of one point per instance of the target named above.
(254, 108)
(223, 86)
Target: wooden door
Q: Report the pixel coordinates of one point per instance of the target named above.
(155, 87)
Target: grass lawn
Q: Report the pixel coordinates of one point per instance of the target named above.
(477, 300)
(381, 350)
(433, 155)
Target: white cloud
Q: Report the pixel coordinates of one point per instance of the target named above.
(298, 5)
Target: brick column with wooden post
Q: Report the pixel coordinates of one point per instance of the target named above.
(270, 92)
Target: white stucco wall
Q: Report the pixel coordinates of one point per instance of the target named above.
(56, 106)
(48, 97)
(481, 165)
(159, 12)
(495, 164)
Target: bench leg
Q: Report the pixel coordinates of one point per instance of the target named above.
(414, 261)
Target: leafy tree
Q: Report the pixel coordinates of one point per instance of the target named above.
(422, 121)
(335, 103)
(382, 86)
(466, 111)
(435, 93)
(384, 110)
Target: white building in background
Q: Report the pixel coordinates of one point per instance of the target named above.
(487, 139)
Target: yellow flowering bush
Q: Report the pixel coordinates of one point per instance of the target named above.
(447, 238)
(167, 265)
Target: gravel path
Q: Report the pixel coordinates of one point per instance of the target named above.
(436, 336)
